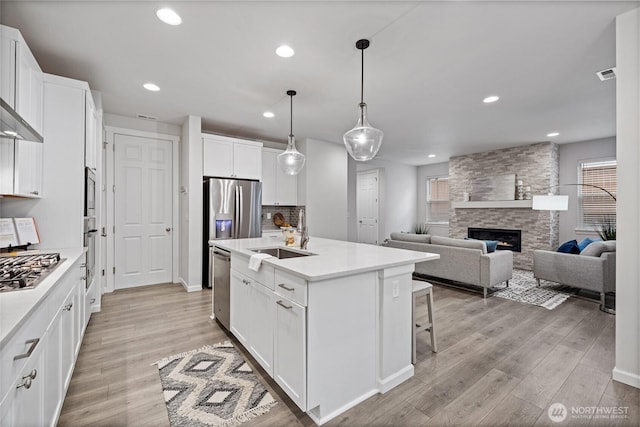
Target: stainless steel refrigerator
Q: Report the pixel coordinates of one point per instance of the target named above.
(232, 210)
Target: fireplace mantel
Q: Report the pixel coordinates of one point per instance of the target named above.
(484, 204)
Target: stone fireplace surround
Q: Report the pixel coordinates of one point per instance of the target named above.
(536, 165)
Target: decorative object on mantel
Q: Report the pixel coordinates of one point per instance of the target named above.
(291, 161)
(523, 288)
(493, 188)
(519, 190)
(211, 386)
(363, 141)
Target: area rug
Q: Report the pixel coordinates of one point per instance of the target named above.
(211, 386)
(523, 288)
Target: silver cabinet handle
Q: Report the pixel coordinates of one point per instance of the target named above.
(246, 282)
(280, 303)
(35, 193)
(31, 375)
(28, 379)
(283, 286)
(93, 300)
(68, 307)
(83, 265)
(34, 342)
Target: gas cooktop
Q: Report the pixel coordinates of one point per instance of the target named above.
(25, 271)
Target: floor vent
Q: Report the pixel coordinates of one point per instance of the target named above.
(146, 117)
(608, 74)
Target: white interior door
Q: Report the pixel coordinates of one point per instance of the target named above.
(142, 211)
(367, 206)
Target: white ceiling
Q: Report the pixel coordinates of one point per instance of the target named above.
(429, 66)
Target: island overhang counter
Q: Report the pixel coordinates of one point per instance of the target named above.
(332, 328)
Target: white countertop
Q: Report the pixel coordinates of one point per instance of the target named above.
(332, 258)
(16, 306)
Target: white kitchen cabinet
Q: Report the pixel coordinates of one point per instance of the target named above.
(91, 141)
(21, 168)
(22, 82)
(225, 157)
(34, 384)
(278, 188)
(261, 325)
(240, 307)
(289, 364)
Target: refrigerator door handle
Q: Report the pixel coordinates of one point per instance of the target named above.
(241, 215)
(236, 219)
(212, 213)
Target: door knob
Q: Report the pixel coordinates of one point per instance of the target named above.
(168, 229)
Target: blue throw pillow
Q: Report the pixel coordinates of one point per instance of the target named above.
(570, 247)
(492, 245)
(585, 242)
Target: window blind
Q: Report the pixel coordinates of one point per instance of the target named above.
(438, 200)
(594, 204)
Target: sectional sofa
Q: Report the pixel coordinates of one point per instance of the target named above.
(465, 261)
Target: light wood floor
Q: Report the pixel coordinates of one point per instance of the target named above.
(500, 363)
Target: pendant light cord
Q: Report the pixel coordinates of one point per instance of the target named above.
(291, 117)
(362, 77)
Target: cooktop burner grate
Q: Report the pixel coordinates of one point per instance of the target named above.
(25, 271)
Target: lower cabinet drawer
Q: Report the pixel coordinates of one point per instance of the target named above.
(290, 286)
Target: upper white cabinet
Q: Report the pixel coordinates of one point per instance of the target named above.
(231, 158)
(22, 81)
(278, 188)
(21, 168)
(91, 138)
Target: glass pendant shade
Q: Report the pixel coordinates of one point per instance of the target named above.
(363, 141)
(291, 161)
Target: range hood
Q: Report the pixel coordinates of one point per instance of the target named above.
(14, 126)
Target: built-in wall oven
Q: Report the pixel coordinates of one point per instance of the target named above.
(90, 227)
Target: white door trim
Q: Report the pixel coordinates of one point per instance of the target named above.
(175, 140)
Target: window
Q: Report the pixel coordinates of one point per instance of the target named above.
(438, 199)
(595, 205)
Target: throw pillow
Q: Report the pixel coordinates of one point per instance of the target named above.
(586, 241)
(570, 247)
(597, 248)
(492, 245)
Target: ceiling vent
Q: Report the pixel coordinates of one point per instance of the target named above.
(608, 74)
(147, 117)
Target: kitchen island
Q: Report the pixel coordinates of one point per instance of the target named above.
(332, 327)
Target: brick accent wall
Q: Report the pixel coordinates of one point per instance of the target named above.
(537, 166)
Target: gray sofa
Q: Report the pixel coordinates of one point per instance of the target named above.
(465, 261)
(593, 269)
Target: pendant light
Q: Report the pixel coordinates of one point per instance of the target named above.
(291, 161)
(363, 141)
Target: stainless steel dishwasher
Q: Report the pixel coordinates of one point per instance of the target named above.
(220, 273)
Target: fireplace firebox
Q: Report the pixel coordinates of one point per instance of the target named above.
(510, 240)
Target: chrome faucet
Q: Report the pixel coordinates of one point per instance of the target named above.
(302, 227)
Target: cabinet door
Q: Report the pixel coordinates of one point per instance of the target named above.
(269, 165)
(67, 343)
(7, 69)
(28, 169)
(90, 138)
(29, 87)
(217, 158)
(247, 161)
(261, 328)
(6, 165)
(240, 307)
(290, 358)
(287, 190)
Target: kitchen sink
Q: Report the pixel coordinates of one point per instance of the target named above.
(281, 253)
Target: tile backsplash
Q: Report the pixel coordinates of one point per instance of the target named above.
(290, 214)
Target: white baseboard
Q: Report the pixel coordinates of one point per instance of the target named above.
(386, 384)
(321, 420)
(626, 377)
(187, 287)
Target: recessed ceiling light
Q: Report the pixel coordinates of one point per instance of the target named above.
(268, 114)
(431, 156)
(168, 16)
(11, 133)
(152, 87)
(284, 51)
(552, 134)
(490, 99)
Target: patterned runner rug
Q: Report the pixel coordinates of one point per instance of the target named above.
(211, 386)
(523, 288)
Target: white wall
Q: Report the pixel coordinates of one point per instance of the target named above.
(397, 196)
(126, 122)
(571, 155)
(627, 368)
(322, 188)
(424, 172)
